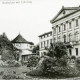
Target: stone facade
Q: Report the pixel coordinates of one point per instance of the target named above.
(66, 28)
(44, 41)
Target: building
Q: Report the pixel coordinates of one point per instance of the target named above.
(24, 46)
(44, 41)
(66, 28)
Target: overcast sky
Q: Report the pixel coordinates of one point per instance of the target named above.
(30, 19)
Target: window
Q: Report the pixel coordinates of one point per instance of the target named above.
(64, 38)
(70, 37)
(76, 22)
(47, 35)
(59, 38)
(41, 45)
(50, 40)
(70, 25)
(54, 39)
(59, 29)
(55, 31)
(18, 45)
(42, 37)
(70, 51)
(51, 34)
(76, 51)
(77, 36)
(64, 27)
(47, 42)
(30, 46)
(44, 43)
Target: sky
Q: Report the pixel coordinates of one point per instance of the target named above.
(30, 19)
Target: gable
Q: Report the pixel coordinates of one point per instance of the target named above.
(63, 12)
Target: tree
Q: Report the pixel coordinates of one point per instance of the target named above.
(57, 50)
(36, 49)
(7, 50)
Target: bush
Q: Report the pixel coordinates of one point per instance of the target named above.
(7, 55)
(9, 74)
(32, 61)
(50, 67)
(64, 71)
(54, 67)
(77, 63)
(13, 63)
(73, 57)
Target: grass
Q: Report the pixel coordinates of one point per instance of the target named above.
(19, 70)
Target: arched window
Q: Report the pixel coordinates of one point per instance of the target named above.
(64, 38)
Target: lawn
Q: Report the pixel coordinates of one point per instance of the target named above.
(19, 70)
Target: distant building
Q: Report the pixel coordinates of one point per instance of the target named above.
(26, 47)
(44, 41)
(66, 28)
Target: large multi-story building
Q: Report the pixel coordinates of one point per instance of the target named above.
(44, 41)
(66, 28)
(24, 46)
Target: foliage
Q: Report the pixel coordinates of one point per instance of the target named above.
(77, 63)
(10, 74)
(73, 57)
(36, 49)
(7, 55)
(57, 50)
(55, 64)
(5, 43)
(13, 63)
(50, 63)
(32, 61)
(7, 50)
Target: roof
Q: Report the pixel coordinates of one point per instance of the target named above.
(45, 33)
(70, 10)
(20, 39)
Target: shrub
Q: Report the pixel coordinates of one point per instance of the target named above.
(13, 63)
(10, 74)
(73, 57)
(32, 61)
(64, 71)
(77, 63)
(50, 67)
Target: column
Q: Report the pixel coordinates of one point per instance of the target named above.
(61, 32)
(67, 31)
(73, 29)
(79, 28)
